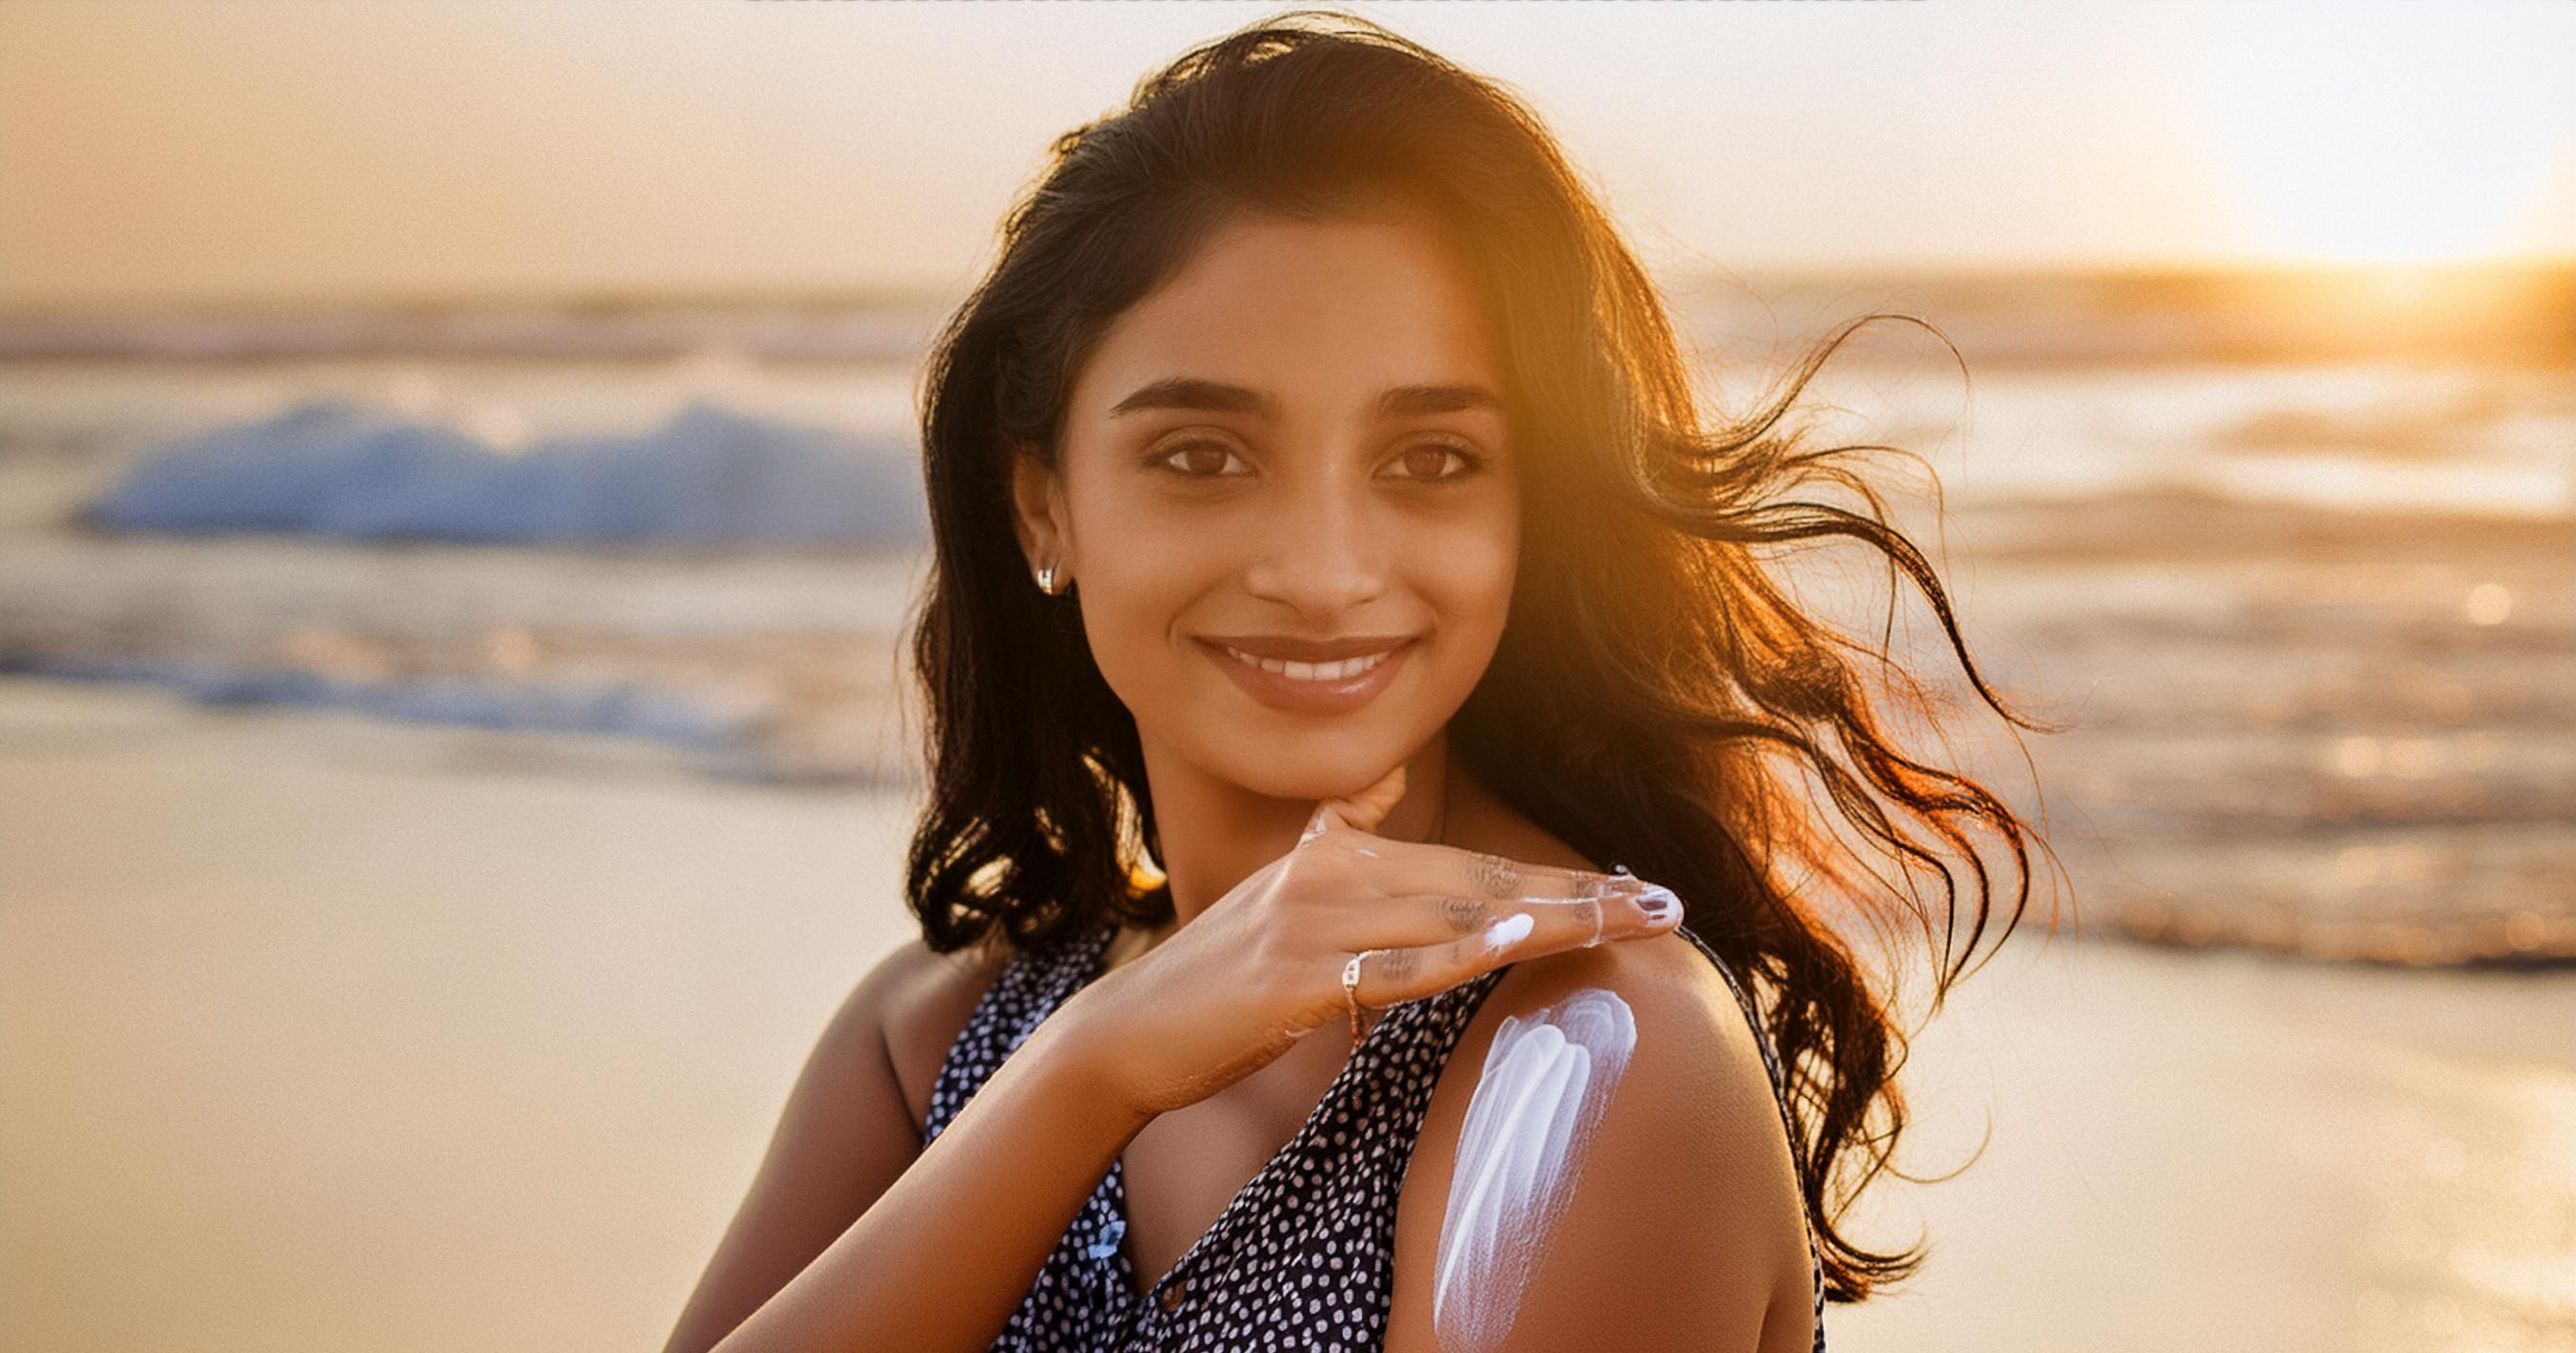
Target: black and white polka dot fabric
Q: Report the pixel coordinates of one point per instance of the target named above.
(1303, 1258)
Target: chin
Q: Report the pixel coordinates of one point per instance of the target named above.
(1314, 767)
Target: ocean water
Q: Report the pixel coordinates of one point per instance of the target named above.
(2312, 615)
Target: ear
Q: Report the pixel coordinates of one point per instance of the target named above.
(1038, 512)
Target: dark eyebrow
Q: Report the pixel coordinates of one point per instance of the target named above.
(1411, 401)
(1184, 392)
(1404, 401)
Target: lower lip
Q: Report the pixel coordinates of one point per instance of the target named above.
(1289, 695)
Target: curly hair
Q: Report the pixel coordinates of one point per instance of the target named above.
(1657, 697)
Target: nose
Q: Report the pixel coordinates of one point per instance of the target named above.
(1322, 551)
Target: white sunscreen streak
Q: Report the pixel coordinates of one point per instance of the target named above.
(1545, 1083)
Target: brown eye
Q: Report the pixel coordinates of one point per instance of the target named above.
(1426, 460)
(1195, 460)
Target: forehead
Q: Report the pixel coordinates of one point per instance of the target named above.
(1318, 312)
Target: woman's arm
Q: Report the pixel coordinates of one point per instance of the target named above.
(943, 1256)
(1679, 1227)
(947, 1252)
(850, 1129)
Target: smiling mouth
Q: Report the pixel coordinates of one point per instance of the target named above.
(1322, 673)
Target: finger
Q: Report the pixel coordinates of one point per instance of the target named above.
(1573, 922)
(1364, 809)
(1392, 976)
(1421, 945)
(1425, 867)
(1528, 929)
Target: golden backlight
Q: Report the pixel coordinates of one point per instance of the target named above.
(2424, 134)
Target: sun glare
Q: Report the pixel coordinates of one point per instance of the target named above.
(2410, 133)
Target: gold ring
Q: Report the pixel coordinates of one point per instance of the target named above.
(1351, 992)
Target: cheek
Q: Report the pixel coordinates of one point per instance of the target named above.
(1469, 570)
(1141, 572)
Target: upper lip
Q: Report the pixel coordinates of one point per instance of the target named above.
(1310, 650)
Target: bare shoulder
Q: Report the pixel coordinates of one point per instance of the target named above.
(1676, 1141)
(918, 1002)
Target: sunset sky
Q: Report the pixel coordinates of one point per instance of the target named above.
(284, 150)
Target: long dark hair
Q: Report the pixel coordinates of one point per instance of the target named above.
(1656, 698)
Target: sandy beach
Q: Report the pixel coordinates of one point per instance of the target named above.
(473, 477)
(328, 1033)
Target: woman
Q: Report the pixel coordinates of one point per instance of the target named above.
(1331, 577)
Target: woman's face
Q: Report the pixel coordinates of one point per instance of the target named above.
(1295, 447)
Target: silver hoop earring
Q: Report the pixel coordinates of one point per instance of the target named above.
(1046, 580)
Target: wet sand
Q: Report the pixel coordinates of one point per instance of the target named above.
(330, 1033)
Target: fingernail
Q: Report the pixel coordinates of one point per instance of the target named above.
(1508, 931)
(1660, 905)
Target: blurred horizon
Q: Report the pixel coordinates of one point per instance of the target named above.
(2507, 313)
(2392, 275)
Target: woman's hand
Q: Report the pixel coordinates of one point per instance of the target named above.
(1261, 968)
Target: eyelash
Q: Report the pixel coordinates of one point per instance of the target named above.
(1475, 462)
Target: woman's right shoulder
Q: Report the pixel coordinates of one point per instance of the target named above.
(919, 1001)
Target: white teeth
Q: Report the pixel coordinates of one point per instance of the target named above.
(1312, 671)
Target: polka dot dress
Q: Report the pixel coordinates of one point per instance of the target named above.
(1304, 1257)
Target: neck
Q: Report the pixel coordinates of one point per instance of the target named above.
(1215, 834)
